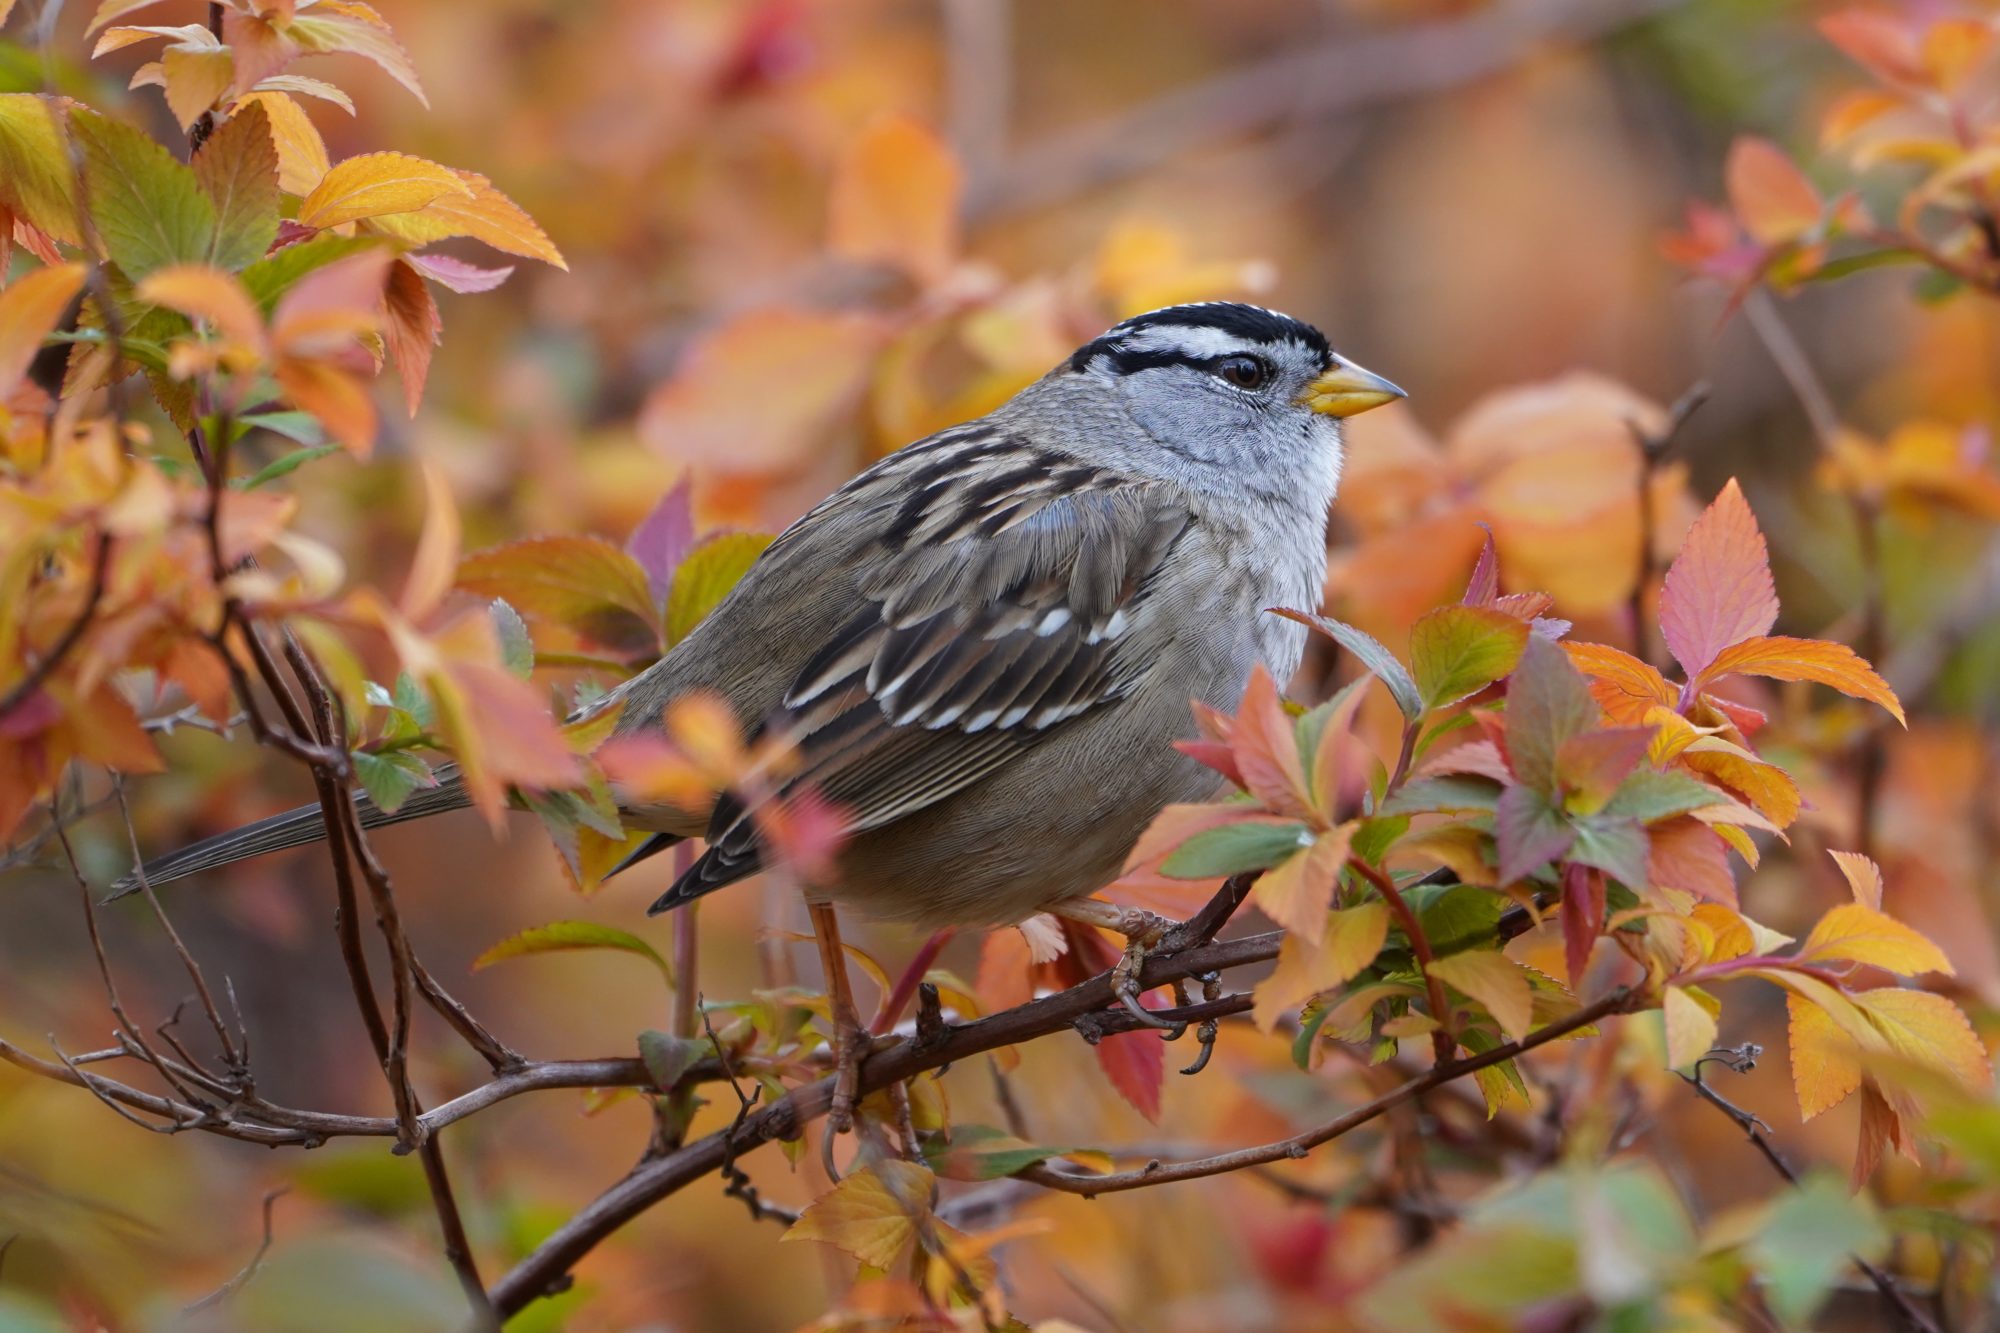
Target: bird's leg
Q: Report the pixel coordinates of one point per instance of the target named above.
(849, 1041)
(1142, 930)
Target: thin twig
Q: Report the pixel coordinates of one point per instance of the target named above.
(236, 1283)
(1442, 1043)
(1740, 1059)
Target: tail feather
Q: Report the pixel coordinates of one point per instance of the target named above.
(293, 828)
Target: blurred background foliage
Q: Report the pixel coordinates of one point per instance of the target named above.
(1469, 197)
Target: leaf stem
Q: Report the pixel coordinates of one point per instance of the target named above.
(1442, 1043)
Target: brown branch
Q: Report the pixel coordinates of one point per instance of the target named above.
(1741, 1059)
(1442, 1043)
(1157, 1172)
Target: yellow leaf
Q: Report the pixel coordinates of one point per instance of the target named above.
(29, 308)
(1354, 936)
(483, 213)
(36, 180)
(1863, 876)
(374, 184)
(895, 200)
(873, 1214)
(1296, 892)
(1929, 1029)
(195, 78)
(1495, 981)
(1857, 933)
(1824, 1068)
(1691, 1027)
(706, 575)
(302, 159)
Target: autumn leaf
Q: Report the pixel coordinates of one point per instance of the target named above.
(1690, 1016)
(1297, 891)
(1266, 748)
(1862, 875)
(1495, 981)
(1456, 651)
(149, 209)
(584, 584)
(1548, 704)
(1857, 933)
(1782, 658)
(238, 170)
(569, 936)
(1718, 591)
(374, 184)
(1624, 687)
(1306, 966)
(895, 200)
(29, 308)
(1771, 196)
(481, 212)
(705, 575)
(412, 329)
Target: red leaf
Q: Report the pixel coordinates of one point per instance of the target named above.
(413, 329)
(1771, 196)
(1136, 1064)
(1267, 750)
(1719, 590)
(1484, 585)
(1215, 755)
(1687, 854)
(664, 538)
(1582, 917)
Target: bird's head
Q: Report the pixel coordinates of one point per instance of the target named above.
(1223, 385)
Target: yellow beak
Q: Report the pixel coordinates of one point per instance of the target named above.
(1346, 389)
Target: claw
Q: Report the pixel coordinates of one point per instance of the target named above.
(1125, 982)
(847, 1039)
(1211, 988)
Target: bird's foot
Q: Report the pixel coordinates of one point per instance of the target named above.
(850, 1043)
(1211, 989)
(1143, 932)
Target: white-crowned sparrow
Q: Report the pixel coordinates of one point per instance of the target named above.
(985, 644)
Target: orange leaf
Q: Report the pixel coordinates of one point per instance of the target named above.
(1856, 933)
(1825, 1067)
(1766, 786)
(1929, 1030)
(1175, 824)
(1718, 591)
(720, 409)
(1782, 657)
(338, 399)
(1953, 49)
(1624, 687)
(1354, 936)
(207, 294)
(1686, 854)
(895, 200)
(29, 308)
(1772, 197)
(1297, 892)
(374, 184)
(1877, 43)
(1267, 749)
(413, 329)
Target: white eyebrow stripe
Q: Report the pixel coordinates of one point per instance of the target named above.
(1192, 340)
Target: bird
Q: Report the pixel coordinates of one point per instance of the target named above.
(983, 646)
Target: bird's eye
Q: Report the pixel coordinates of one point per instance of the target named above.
(1245, 372)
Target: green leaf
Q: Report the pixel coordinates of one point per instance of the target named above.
(414, 700)
(1456, 651)
(1456, 917)
(1528, 832)
(1371, 654)
(1376, 836)
(272, 276)
(298, 427)
(1311, 1019)
(238, 170)
(517, 650)
(560, 936)
(1649, 795)
(1234, 848)
(668, 1057)
(1433, 795)
(1501, 1085)
(390, 777)
(283, 465)
(1548, 702)
(1617, 846)
(1806, 1244)
(149, 210)
(705, 577)
(981, 1152)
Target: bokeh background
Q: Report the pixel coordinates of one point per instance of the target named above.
(1469, 197)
